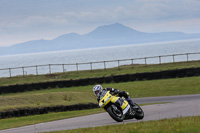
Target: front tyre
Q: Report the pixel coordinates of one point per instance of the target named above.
(115, 113)
(139, 113)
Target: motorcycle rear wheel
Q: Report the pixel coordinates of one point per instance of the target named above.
(116, 116)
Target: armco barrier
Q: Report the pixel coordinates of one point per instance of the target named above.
(91, 81)
(45, 110)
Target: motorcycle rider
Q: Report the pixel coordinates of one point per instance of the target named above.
(98, 89)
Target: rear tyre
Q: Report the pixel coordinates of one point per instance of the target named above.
(115, 113)
(139, 113)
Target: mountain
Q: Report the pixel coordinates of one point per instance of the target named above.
(107, 35)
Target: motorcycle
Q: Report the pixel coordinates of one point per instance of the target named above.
(118, 108)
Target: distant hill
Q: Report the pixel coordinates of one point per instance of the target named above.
(107, 35)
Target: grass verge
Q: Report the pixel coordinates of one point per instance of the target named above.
(176, 125)
(84, 94)
(29, 120)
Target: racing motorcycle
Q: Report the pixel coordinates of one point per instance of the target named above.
(118, 108)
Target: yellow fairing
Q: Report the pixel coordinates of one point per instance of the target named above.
(109, 98)
(105, 100)
(114, 99)
(124, 105)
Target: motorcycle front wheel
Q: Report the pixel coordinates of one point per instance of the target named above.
(139, 113)
(115, 113)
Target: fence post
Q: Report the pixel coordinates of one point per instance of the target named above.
(36, 70)
(50, 68)
(10, 72)
(145, 59)
(118, 63)
(91, 65)
(77, 67)
(187, 57)
(132, 62)
(160, 59)
(173, 58)
(63, 67)
(104, 65)
(23, 70)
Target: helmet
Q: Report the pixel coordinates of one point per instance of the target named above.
(97, 89)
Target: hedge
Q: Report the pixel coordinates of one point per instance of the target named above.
(45, 110)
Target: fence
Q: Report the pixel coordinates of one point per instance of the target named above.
(55, 68)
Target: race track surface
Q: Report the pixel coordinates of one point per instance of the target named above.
(177, 106)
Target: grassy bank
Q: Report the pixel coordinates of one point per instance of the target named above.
(84, 94)
(177, 125)
(97, 73)
(29, 120)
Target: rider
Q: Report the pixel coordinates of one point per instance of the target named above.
(97, 89)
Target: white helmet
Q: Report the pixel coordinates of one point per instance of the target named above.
(97, 89)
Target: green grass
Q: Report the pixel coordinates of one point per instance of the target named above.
(84, 94)
(44, 99)
(97, 73)
(29, 120)
(176, 125)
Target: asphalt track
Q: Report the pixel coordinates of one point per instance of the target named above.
(173, 106)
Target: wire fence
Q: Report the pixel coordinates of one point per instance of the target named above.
(57, 68)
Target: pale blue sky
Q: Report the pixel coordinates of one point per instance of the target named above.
(24, 20)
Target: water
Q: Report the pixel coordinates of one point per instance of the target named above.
(97, 54)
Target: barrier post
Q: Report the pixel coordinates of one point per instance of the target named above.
(77, 67)
(104, 65)
(145, 59)
(132, 62)
(118, 64)
(160, 59)
(63, 67)
(50, 68)
(10, 72)
(91, 65)
(36, 70)
(23, 70)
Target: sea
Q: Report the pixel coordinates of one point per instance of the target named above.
(67, 57)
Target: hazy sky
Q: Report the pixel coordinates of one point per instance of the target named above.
(24, 20)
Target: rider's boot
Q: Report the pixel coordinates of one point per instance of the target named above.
(130, 102)
(135, 107)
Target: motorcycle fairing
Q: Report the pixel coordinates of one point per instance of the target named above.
(107, 97)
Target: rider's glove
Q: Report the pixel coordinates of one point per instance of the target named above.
(127, 93)
(123, 94)
(116, 91)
